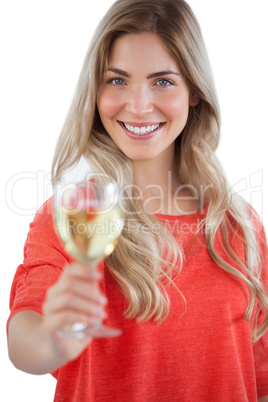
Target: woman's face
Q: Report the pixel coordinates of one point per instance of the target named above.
(143, 101)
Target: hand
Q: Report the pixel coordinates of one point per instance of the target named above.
(76, 297)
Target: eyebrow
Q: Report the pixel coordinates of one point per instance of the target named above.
(152, 75)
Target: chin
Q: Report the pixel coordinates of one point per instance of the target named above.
(140, 157)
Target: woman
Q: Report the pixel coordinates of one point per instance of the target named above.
(186, 282)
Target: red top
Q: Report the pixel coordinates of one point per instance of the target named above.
(205, 354)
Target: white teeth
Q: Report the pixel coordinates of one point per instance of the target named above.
(141, 130)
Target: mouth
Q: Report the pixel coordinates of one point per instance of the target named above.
(141, 129)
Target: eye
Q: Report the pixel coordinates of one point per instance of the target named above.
(116, 81)
(164, 83)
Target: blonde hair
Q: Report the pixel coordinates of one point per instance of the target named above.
(139, 262)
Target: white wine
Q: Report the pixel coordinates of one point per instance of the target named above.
(89, 236)
(88, 220)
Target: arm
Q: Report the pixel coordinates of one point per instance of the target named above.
(263, 399)
(33, 343)
(29, 347)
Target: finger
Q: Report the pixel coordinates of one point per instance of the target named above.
(85, 289)
(89, 291)
(74, 303)
(82, 271)
(66, 319)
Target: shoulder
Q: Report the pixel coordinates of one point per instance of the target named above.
(43, 218)
(242, 214)
(247, 228)
(42, 229)
(45, 212)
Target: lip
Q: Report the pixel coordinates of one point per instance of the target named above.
(145, 124)
(143, 136)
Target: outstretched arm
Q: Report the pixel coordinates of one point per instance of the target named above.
(33, 343)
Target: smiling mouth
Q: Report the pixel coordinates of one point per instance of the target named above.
(141, 129)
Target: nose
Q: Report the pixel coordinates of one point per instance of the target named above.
(139, 101)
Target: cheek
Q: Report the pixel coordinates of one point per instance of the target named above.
(108, 104)
(177, 107)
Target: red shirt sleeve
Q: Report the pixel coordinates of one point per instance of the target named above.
(44, 259)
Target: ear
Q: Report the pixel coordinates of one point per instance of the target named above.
(194, 100)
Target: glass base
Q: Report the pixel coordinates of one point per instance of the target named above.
(80, 330)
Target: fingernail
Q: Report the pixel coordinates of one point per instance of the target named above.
(93, 320)
(95, 275)
(101, 313)
(102, 299)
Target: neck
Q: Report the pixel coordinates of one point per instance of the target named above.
(160, 189)
(151, 175)
(156, 184)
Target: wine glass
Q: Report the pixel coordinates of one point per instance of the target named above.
(89, 219)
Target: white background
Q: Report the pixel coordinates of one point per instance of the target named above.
(43, 45)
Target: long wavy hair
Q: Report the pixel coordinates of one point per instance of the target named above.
(142, 262)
